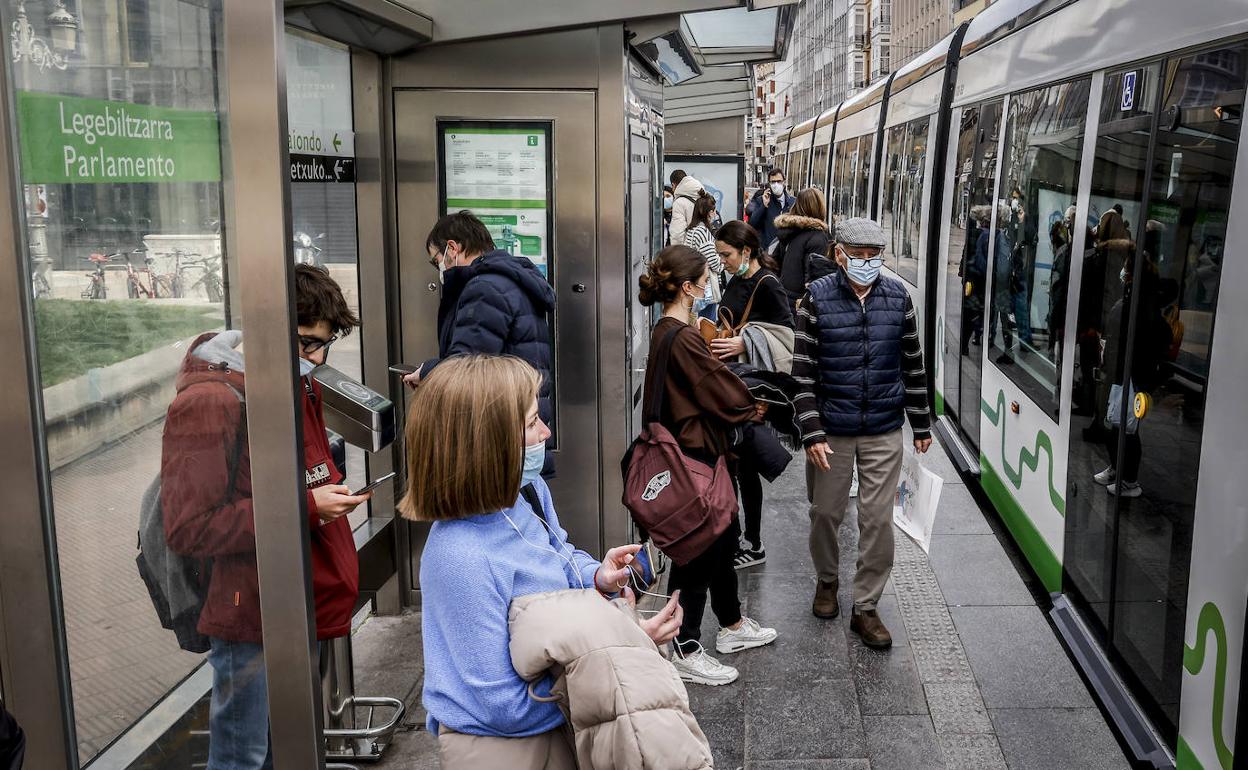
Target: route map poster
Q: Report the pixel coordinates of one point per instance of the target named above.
(502, 174)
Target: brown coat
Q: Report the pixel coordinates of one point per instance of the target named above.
(702, 399)
(626, 704)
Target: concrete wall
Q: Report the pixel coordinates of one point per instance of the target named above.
(721, 136)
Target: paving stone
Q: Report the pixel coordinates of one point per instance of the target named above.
(1017, 659)
(887, 681)
(902, 743)
(974, 752)
(811, 764)
(724, 724)
(890, 615)
(957, 708)
(820, 719)
(1044, 738)
(958, 513)
(974, 570)
(807, 648)
(937, 461)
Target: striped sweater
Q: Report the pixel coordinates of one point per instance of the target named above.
(806, 356)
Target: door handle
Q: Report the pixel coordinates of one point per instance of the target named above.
(432, 286)
(579, 288)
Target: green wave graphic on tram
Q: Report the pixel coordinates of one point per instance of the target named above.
(1027, 458)
(1210, 620)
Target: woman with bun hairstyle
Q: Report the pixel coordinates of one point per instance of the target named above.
(702, 402)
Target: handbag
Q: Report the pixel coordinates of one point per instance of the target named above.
(682, 503)
(725, 328)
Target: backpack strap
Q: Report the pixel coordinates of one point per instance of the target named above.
(653, 408)
(240, 440)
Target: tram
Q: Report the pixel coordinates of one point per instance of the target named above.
(1060, 184)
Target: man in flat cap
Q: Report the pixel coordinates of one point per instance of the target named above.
(859, 365)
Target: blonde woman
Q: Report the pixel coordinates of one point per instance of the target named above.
(474, 440)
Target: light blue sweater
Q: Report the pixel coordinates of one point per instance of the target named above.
(470, 571)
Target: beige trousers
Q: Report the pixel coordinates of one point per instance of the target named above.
(879, 467)
(548, 751)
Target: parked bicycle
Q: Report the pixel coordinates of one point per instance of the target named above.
(209, 278)
(307, 248)
(98, 288)
(40, 288)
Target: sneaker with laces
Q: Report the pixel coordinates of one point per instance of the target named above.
(697, 667)
(1129, 488)
(748, 557)
(745, 636)
(1105, 477)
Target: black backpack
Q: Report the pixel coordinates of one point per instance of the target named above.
(177, 584)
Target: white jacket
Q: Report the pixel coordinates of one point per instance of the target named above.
(685, 194)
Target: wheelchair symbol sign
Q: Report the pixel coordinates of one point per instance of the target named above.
(1128, 91)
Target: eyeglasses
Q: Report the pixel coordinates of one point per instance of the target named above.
(435, 262)
(310, 345)
(865, 261)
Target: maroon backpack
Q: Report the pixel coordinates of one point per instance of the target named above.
(682, 503)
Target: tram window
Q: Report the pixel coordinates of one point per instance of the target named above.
(862, 176)
(902, 206)
(842, 179)
(819, 173)
(1043, 148)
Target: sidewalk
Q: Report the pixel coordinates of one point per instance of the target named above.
(976, 677)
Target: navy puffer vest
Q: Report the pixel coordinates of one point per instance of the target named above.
(860, 390)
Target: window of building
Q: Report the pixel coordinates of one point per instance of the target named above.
(1032, 241)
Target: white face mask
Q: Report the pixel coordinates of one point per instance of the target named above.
(777, 189)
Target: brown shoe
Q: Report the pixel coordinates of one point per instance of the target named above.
(826, 605)
(867, 624)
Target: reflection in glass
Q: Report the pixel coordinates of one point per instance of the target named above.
(819, 173)
(902, 207)
(862, 176)
(1035, 214)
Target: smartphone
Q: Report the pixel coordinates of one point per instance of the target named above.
(403, 368)
(373, 484)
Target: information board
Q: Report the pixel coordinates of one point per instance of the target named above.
(501, 172)
(723, 176)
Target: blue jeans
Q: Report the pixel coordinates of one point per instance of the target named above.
(238, 720)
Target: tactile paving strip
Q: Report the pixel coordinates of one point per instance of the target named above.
(965, 733)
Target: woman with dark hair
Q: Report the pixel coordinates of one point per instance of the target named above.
(699, 238)
(754, 296)
(701, 402)
(801, 232)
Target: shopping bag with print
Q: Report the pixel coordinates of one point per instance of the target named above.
(918, 495)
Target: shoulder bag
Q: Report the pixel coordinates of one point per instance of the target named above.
(726, 328)
(684, 504)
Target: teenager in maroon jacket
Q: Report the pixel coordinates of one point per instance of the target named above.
(208, 514)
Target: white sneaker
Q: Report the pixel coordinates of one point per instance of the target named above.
(700, 668)
(1105, 477)
(1129, 489)
(745, 636)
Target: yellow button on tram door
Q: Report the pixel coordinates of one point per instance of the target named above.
(1143, 402)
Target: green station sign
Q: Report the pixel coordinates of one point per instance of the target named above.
(71, 139)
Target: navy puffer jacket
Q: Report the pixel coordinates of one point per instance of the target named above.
(860, 390)
(499, 305)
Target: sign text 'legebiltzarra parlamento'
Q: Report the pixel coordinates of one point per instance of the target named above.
(70, 139)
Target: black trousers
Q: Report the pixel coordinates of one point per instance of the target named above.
(750, 490)
(12, 742)
(1127, 468)
(711, 571)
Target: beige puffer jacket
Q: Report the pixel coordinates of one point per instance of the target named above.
(624, 700)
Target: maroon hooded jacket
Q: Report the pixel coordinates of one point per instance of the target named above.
(200, 439)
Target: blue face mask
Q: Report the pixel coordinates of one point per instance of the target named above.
(700, 304)
(534, 461)
(863, 276)
(667, 204)
(305, 367)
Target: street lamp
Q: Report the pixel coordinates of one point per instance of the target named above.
(29, 46)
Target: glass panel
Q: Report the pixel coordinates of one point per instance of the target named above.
(890, 191)
(318, 102)
(121, 143)
(1117, 189)
(963, 313)
(862, 176)
(842, 183)
(908, 225)
(1171, 290)
(1043, 151)
(820, 174)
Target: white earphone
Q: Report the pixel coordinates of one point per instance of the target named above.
(571, 562)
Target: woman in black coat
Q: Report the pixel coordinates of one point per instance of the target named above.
(801, 232)
(753, 274)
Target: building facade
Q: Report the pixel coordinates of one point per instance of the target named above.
(838, 48)
(965, 10)
(918, 25)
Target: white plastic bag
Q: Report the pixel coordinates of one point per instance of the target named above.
(918, 495)
(1113, 409)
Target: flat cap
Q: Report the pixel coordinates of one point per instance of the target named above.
(860, 231)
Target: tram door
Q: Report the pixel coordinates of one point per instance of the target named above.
(1161, 189)
(524, 162)
(967, 263)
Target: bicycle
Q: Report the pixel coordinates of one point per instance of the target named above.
(210, 276)
(98, 288)
(40, 288)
